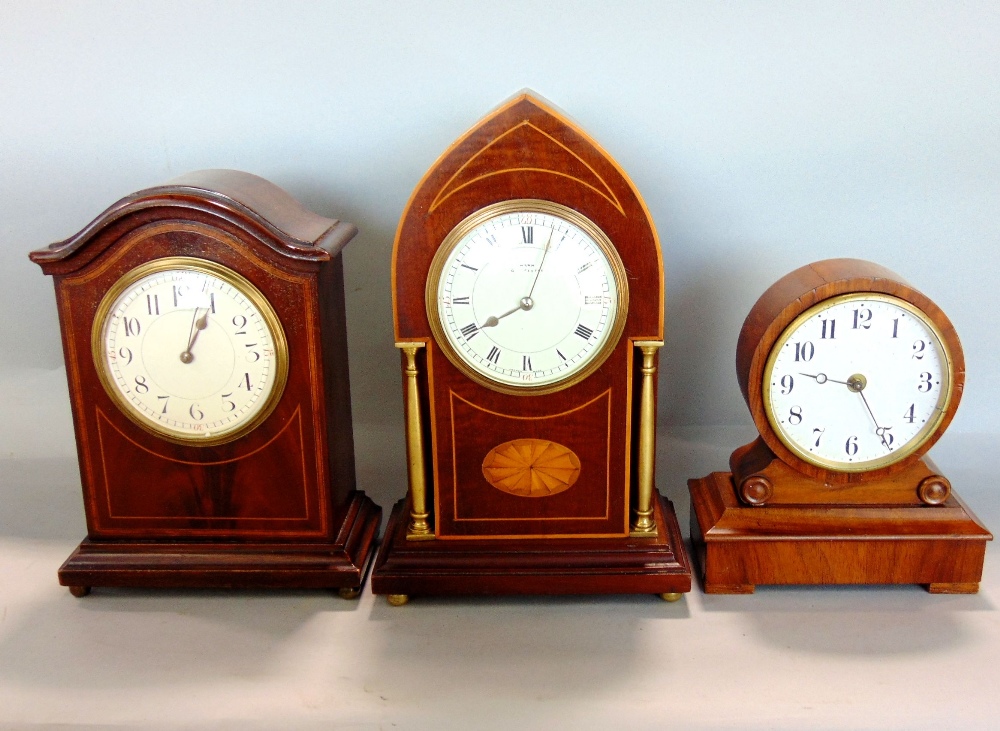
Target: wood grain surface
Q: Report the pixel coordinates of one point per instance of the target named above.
(288, 482)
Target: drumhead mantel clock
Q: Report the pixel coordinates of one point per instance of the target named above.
(851, 375)
(528, 303)
(205, 343)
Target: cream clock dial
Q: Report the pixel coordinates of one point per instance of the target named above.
(527, 296)
(190, 350)
(857, 382)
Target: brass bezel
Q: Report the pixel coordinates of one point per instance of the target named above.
(532, 205)
(921, 438)
(238, 282)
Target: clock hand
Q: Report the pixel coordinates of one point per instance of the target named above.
(855, 383)
(538, 271)
(197, 325)
(822, 378)
(526, 303)
(879, 430)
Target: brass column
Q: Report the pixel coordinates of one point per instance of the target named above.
(419, 529)
(644, 526)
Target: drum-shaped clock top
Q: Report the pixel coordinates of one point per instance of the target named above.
(850, 375)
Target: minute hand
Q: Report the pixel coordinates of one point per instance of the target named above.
(879, 430)
(538, 271)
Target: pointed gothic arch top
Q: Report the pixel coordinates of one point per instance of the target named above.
(526, 149)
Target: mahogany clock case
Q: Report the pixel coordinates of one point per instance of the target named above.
(276, 506)
(777, 518)
(457, 532)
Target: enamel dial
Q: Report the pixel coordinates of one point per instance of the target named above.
(527, 296)
(857, 382)
(190, 350)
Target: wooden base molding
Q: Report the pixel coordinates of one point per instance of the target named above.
(738, 546)
(533, 566)
(245, 565)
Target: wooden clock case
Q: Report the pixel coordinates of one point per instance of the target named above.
(458, 534)
(276, 507)
(777, 519)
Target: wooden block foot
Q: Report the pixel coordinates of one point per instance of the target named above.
(729, 588)
(971, 587)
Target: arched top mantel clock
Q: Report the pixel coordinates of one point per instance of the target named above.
(205, 343)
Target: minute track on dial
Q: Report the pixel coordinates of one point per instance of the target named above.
(569, 279)
(898, 387)
(231, 370)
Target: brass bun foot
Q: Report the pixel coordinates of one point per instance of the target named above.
(349, 592)
(671, 596)
(397, 600)
(79, 591)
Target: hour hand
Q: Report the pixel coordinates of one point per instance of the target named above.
(822, 378)
(197, 325)
(492, 321)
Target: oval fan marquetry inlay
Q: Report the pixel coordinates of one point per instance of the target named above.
(531, 467)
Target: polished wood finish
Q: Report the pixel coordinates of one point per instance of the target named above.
(539, 566)
(777, 519)
(232, 564)
(276, 507)
(761, 478)
(523, 150)
(739, 547)
(795, 293)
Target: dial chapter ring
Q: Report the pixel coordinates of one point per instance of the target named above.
(230, 278)
(437, 318)
(855, 384)
(795, 293)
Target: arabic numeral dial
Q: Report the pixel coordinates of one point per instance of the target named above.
(190, 350)
(856, 382)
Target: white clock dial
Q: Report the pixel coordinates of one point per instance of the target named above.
(190, 350)
(527, 295)
(857, 382)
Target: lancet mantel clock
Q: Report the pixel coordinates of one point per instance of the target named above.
(851, 375)
(528, 304)
(205, 343)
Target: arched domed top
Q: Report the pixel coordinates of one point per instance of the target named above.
(246, 200)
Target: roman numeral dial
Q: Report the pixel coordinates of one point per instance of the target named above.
(527, 295)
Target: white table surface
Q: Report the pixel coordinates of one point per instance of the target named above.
(783, 658)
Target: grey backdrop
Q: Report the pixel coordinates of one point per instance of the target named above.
(761, 135)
